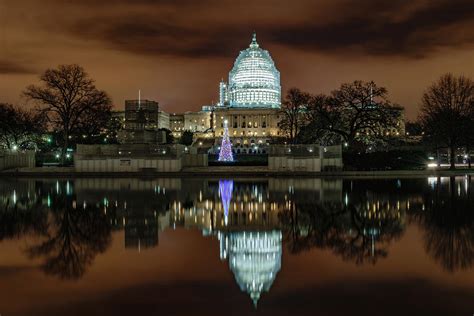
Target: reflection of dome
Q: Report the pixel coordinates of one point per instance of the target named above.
(254, 258)
(254, 80)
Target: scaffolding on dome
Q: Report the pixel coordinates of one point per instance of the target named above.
(254, 81)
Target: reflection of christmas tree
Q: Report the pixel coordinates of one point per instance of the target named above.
(225, 153)
(225, 190)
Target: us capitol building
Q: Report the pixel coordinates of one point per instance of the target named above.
(249, 101)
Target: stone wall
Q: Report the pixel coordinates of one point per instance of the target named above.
(136, 158)
(122, 150)
(289, 163)
(17, 160)
(194, 160)
(127, 164)
(311, 158)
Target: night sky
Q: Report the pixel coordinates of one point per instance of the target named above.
(176, 51)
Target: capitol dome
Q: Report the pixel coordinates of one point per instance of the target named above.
(254, 80)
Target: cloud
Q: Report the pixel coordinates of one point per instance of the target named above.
(212, 28)
(10, 67)
(412, 29)
(147, 36)
(404, 28)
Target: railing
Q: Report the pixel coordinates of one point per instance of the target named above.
(310, 150)
(133, 150)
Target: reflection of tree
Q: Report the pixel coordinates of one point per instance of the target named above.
(21, 217)
(448, 222)
(346, 230)
(367, 238)
(73, 237)
(309, 225)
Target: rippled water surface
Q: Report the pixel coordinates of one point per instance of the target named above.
(237, 246)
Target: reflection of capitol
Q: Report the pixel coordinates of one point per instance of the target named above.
(250, 218)
(243, 215)
(254, 258)
(247, 227)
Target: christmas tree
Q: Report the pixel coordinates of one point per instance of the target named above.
(225, 154)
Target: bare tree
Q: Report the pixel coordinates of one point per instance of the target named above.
(293, 113)
(68, 96)
(447, 112)
(357, 110)
(316, 129)
(20, 128)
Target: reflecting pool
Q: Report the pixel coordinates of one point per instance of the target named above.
(272, 246)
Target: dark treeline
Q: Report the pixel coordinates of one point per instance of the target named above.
(360, 116)
(67, 109)
(447, 114)
(356, 113)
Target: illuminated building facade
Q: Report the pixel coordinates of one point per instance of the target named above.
(163, 119)
(395, 131)
(249, 129)
(177, 124)
(254, 81)
(199, 122)
(250, 101)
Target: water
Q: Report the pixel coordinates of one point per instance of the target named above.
(237, 246)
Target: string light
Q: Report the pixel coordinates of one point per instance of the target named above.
(225, 153)
(254, 80)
